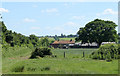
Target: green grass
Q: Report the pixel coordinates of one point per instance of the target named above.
(52, 39)
(16, 52)
(73, 38)
(73, 53)
(63, 66)
(72, 64)
(0, 59)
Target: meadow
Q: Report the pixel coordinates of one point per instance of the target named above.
(52, 39)
(0, 59)
(73, 63)
(73, 38)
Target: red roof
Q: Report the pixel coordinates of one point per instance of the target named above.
(64, 42)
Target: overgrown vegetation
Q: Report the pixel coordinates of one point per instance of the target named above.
(107, 52)
(72, 64)
(17, 48)
(41, 52)
(12, 39)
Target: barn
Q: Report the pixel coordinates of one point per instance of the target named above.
(62, 43)
(84, 45)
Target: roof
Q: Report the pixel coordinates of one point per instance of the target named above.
(64, 42)
(87, 44)
(107, 43)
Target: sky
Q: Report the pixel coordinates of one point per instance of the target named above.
(54, 18)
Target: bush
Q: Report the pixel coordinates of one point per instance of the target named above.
(107, 51)
(41, 52)
(18, 69)
(45, 69)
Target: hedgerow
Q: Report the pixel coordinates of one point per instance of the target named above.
(107, 52)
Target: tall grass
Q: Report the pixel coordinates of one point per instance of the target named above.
(72, 64)
(16, 51)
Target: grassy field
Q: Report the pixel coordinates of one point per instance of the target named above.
(72, 64)
(52, 39)
(0, 59)
(67, 38)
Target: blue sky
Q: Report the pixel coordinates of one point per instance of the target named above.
(54, 18)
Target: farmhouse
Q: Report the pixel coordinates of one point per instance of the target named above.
(62, 43)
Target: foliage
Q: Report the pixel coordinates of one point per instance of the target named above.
(98, 31)
(107, 52)
(72, 64)
(56, 37)
(44, 42)
(18, 69)
(41, 52)
(13, 38)
(16, 51)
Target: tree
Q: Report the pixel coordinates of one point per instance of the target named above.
(9, 36)
(98, 31)
(56, 37)
(41, 52)
(34, 39)
(44, 42)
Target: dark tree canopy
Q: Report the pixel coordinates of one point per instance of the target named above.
(98, 31)
(12, 38)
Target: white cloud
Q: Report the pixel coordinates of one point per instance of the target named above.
(78, 17)
(52, 10)
(108, 12)
(66, 28)
(4, 10)
(34, 33)
(29, 20)
(60, 29)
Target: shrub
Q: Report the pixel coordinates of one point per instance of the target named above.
(41, 52)
(18, 69)
(45, 69)
(107, 51)
(31, 69)
(54, 56)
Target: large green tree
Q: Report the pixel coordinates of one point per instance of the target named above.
(44, 42)
(98, 31)
(34, 39)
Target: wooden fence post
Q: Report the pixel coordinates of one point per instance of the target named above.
(83, 54)
(64, 54)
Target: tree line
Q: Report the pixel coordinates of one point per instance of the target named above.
(10, 38)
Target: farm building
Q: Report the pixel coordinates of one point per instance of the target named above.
(86, 45)
(103, 43)
(62, 43)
